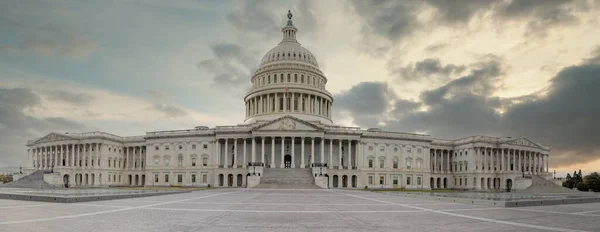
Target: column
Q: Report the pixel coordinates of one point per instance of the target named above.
(284, 102)
(312, 150)
(293, 163)
(302, 165)
(350, 155)
(340, 165)
(502, 160)
(281, 165)
(253, 152)
(330, 164)
(292, 110)
(435, 161)
(272, 165)
(485, 160)
(235, 155)
(322, 150)
(447, 161)
(218, 152)
(300, 101)
(226, 164)
(262, 155)
(276, 103)
(547, 158)
(245, 160)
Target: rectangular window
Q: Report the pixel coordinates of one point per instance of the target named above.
(381, 148)
(204, 178)
(204, 146)
(395, 181)
(408, 150)
(370, 163)
(156, 148)
(408, 180)
(194, 146)
(166, 178)
(370, 148)
(419, 180)
(381, 164)
(109, 164)
(193, 178)
(381, 180)
(204, 162)
(167, 147)
(155, 178)
(179, 178)
(370, 180)
(193, 162)
(395, 164)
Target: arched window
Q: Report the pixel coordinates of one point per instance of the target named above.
(288, 80)
(408, 163)
(295, 78)
(370, 163)
(395, 164)
(156, 160)
(302, 79)
(180, 160)
(419, 161)
(193, 158)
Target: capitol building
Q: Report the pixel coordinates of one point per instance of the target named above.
(288, 130)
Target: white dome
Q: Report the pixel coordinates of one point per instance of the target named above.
(289, 51)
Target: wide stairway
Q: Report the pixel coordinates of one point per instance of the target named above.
(33, 180)
(287, 178)
(541, 185)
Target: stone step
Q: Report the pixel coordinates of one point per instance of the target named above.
(289, 178)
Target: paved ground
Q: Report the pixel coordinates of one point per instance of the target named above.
(290, 210)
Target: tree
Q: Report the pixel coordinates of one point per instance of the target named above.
(593, 181)
(568, 181)
(582, 186)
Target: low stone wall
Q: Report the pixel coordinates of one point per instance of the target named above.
(75, 199)
(321, 181)
(253, 181)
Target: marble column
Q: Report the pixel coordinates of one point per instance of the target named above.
(235, 152)
(322, 150)
(272, 165)
(226, 164)
(330, 164)
(293, 163)
(245, 160)
(302, 164)
(218, 147)
(281, 165)
(350, 154)
(262, 147)
(312, 151)
(253, 152)
(340, 165)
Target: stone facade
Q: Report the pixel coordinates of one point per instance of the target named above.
(288, 125)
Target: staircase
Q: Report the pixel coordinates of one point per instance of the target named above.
(541, 185)
(287, 178)
(34, 180)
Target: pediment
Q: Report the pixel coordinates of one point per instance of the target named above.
(523, 142)
(286, 123)
(53, 137)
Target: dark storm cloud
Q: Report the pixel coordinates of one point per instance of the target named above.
(232, 66)
(16, 127)
(564, 117)
(430, 68)
(458, 11)
(366, 101)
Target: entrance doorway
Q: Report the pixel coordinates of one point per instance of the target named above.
(288, 161)
(66, 180)
(508, 185)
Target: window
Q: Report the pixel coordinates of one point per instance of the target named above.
(408, 163)
(167, 161)
(194, 146)
(382, 148)
(370, 148)
(166, 178)
(395, 180)
(408, 180)
(204, 161)
(418, 180)
(180, 160)
(205, 146)
(155, 178)
(370, 180)
(204, 178)
(109, 165)
(419, 150)
(418, 163)
(156, 148)
(395, 149)
(381, 163)
(370, 163)
(180, 147)
(395, 164)
(408, 150)
(193, 162)
(179, 178)
(193, 178)
(381, 180)
(166, 147)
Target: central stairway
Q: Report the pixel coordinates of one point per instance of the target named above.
(287, 178)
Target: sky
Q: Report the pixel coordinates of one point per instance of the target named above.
(451, 69)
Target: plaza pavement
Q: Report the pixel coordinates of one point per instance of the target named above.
(290, 210)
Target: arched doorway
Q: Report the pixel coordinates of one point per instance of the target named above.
(221, 177)
(439, 182)
(137, 180)
(130, 180)
(143, 180)
(247, 175)
(328, 185)
(230, 180)
(508, 185)
(66, 180)
(287, 161)
(93, 179)
(354, 181)
(335, 181)
(482, 183)
(445, 183)
(431, 180)
(239, 180)
(87, 179)
(344, 181)
(488, 183)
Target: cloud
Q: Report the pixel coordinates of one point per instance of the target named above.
(70, 97)
(42, 28)
(16, 127)
(564, 115)
(427, 69)
(232, 66)
(367, 102)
